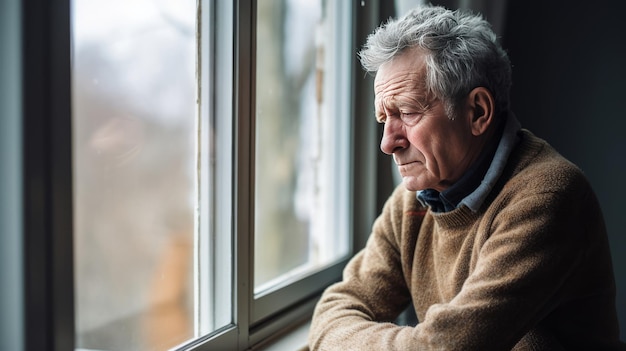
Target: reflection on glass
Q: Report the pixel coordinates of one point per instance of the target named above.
(295, 174)
(134, 117)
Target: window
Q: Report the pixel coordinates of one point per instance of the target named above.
(48, 273)
(135, 136)
(302, 149)
(212, 153)
(133, 140)
(302, 140)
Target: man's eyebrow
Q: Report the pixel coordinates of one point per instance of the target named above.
(421, 102)
(397, 102)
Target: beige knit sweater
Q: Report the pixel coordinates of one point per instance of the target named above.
(530, 271)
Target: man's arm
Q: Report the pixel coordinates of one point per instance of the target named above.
(354, 313)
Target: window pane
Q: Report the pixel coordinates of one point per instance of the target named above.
(301, 141)
(135, 142)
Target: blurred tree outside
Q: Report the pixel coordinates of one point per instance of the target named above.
(286, 135)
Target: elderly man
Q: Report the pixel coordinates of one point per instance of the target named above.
(496, 240)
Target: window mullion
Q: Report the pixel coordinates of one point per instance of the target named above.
(47, 175)
(244, 165)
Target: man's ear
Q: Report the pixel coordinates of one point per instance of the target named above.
(481, 106)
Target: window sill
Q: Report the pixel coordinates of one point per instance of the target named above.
(294, 340)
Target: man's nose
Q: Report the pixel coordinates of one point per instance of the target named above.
(394, 137)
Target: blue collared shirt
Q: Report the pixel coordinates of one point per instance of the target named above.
(474, 186)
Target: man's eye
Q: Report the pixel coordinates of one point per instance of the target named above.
(410, 118)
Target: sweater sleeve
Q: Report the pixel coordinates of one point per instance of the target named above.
(355, 313)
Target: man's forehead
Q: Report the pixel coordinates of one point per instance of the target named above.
(400, 79)
(408, 68)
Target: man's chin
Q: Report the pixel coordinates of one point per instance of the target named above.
(411, 184)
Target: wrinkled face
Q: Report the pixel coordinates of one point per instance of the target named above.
(430, 149)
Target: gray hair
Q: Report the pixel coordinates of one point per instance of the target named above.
(463, 53)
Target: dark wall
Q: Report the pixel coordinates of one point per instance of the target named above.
(569, 77)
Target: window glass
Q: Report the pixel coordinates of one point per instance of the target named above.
(153, 142)
(302, 141)
(135, 127)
